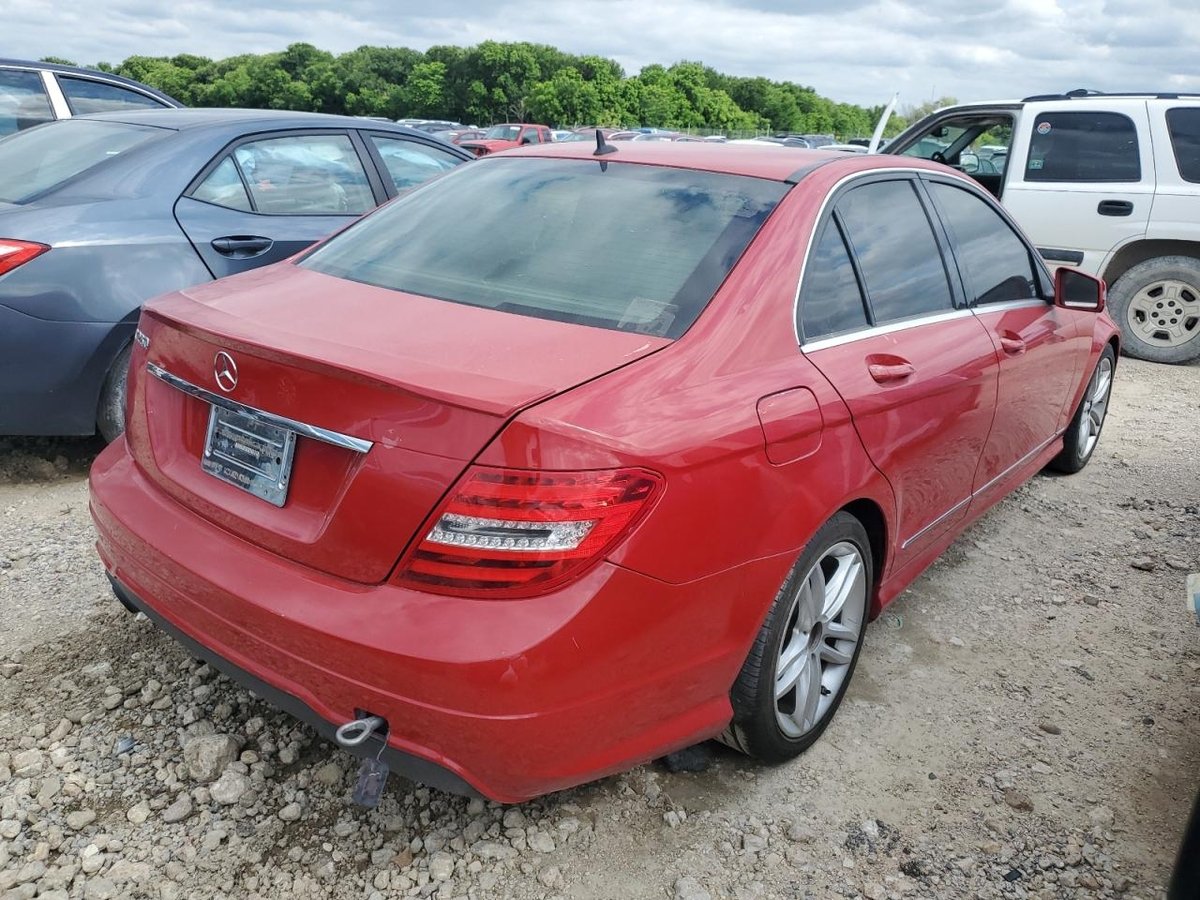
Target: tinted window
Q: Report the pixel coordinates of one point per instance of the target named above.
(1083, 146)
(897, 252)
(224, 187)
(410, 163)
(622, 246)
(830, 301)
(312, 174)
(23, 101)
(32, 162)
(1184, 126)
(87, 96)
(995, 262)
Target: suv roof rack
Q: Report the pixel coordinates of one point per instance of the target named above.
(1085, 92)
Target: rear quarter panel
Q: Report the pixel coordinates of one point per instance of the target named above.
(690, 411)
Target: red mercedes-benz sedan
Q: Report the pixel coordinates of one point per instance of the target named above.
(575, 457)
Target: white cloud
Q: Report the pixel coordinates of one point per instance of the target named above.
(854, 50)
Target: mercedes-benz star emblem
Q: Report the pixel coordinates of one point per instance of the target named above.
(225, 371)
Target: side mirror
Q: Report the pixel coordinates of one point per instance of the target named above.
(1078, 290)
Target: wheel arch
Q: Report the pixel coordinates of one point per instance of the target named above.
(1139, 251)
(870, 516)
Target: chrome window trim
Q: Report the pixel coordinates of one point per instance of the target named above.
(862, 334)
(1028, 303)
(58, 102)
(336, 438)
(818, 219)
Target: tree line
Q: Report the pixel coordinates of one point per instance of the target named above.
(497, 82)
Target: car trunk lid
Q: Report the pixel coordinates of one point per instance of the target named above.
(418, 387)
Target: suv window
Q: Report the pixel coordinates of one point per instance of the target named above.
(831, 301)
(33, 162)
(995, 262)
(410, 163)
(87, 96)
(628, 247)
(306, 175)
(901, 264)
(976, 144)
(23, 101)
(1083, 147)
(1184, 126)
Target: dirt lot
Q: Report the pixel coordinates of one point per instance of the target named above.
(1023, 724)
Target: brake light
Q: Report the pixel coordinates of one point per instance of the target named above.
(16, 253)
(508, 533)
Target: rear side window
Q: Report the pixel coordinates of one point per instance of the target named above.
(309, 175)
(897, 253)
(610, 244)
(224, 187)
(830, 301)
(1184, 127)
(1083, 147)
(33, 162)
(87, 96)
(409, 163)
(996, 263)
(23, 101)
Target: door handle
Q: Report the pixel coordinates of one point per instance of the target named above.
(1013, 346)
(242, 246)
(1115, 208)
(884, 373)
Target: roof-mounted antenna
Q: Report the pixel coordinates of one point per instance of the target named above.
(603, 148)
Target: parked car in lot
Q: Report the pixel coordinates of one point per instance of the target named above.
(100, 213)
(505, 137)
(562, 462)
(1106, 182)
(32, 93)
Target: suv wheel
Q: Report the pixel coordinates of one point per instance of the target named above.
(1157, 306)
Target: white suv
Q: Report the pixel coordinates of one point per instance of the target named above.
(1106, 182)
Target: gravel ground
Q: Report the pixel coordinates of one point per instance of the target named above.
(1023, 723)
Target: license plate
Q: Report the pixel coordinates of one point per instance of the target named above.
(249, 454)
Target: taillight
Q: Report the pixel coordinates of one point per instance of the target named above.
(509, 533)
(16, 253)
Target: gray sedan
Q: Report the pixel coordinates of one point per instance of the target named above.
(100, 213)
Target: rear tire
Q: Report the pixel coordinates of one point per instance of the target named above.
(804, 655)
(1083, 434)
(110, 415)
(1157, 307)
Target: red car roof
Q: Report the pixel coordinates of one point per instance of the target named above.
(776, 163)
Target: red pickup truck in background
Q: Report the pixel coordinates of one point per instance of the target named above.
(507, 136)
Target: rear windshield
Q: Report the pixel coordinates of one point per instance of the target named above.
(34, 161)
(628, 247)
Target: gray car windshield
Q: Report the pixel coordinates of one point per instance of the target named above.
(621, 246)
(35, 161)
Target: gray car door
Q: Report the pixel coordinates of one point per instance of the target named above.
(270, 196)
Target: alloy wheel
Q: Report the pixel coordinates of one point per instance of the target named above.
(817, 649)
(1095, 406)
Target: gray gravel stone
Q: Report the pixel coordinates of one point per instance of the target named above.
(207, 756)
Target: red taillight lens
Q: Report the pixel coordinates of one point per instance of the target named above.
(17, 253)
(506, 533)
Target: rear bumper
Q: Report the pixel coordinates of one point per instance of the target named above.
(508, 698)
(413, 767)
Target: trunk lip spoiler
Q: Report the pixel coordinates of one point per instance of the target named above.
(316, 432)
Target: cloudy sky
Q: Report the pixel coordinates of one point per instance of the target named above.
(853, 50)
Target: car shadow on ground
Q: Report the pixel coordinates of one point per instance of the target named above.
(34, 459)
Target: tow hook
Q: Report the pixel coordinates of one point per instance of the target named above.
(373, 771)
(358, 731)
